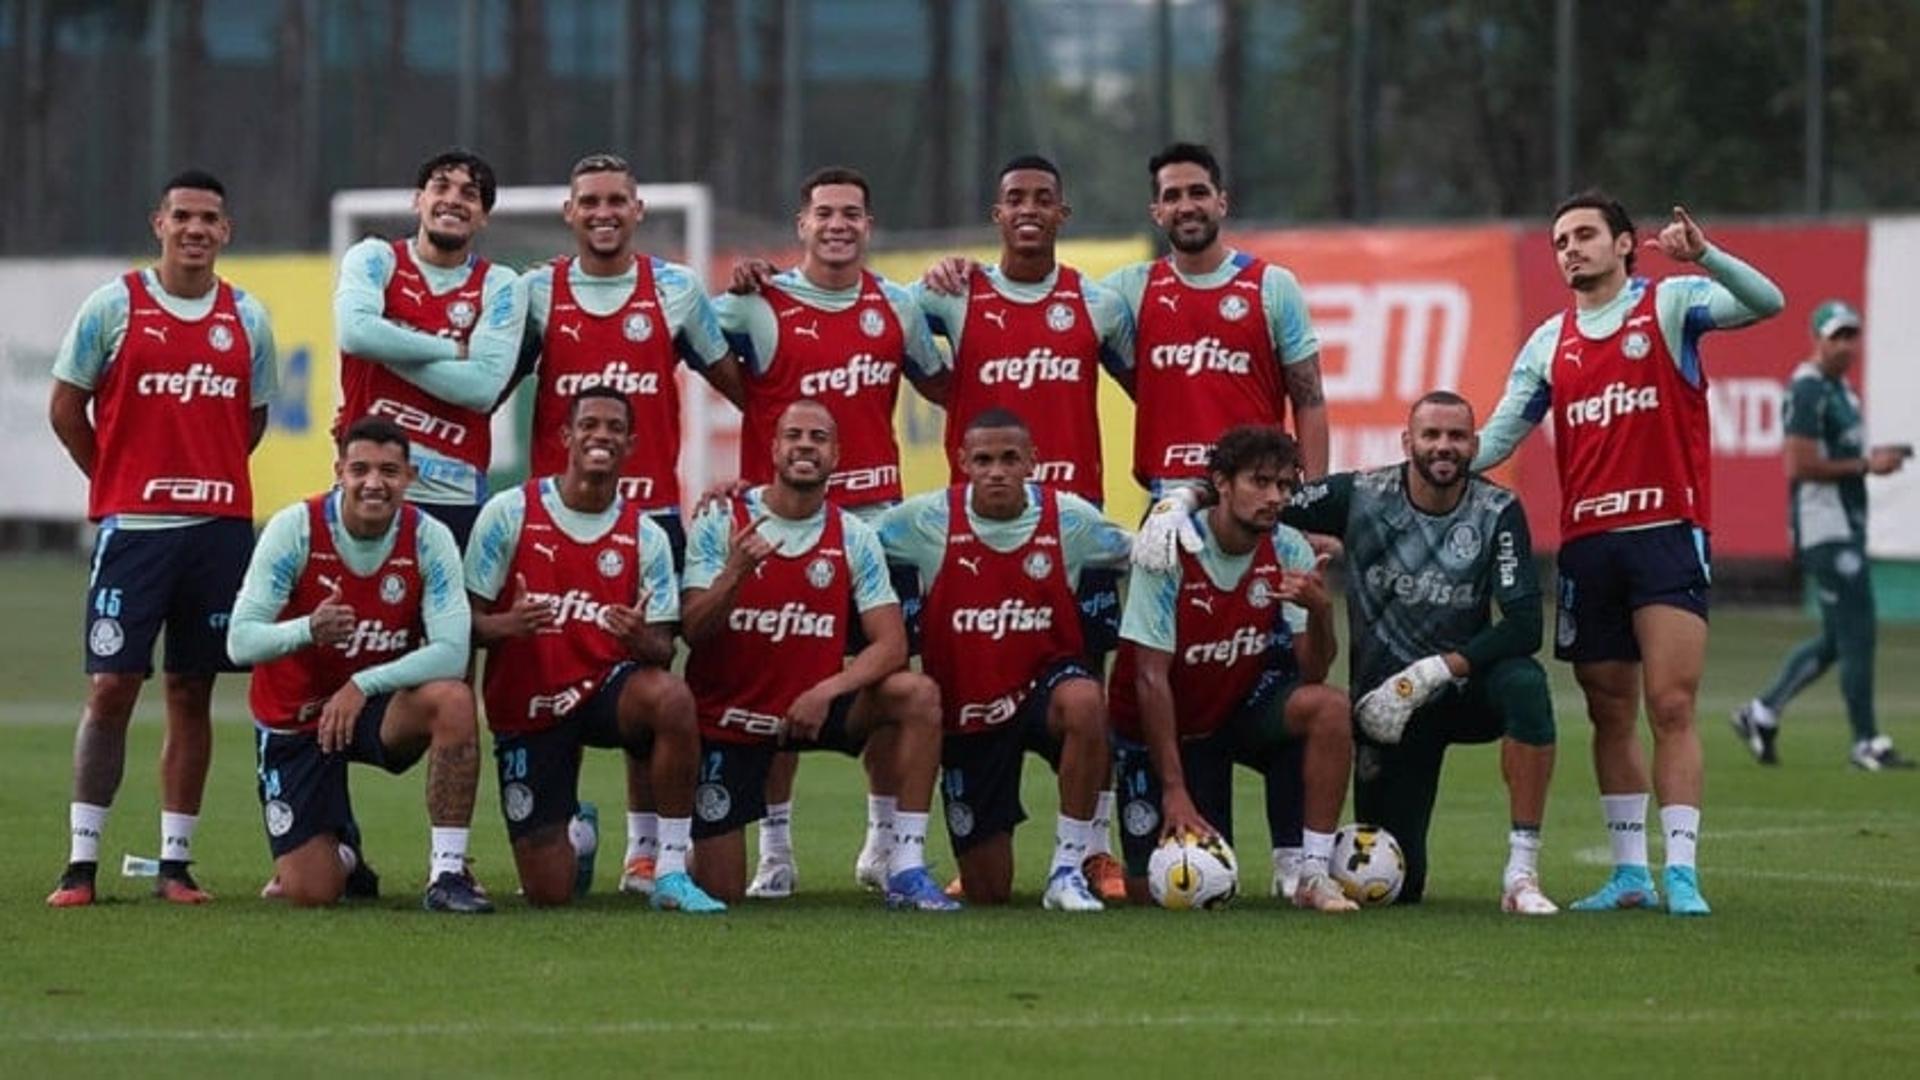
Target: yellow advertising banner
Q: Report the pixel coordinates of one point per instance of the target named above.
(296, 457)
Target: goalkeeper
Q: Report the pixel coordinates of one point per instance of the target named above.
(1430, 551)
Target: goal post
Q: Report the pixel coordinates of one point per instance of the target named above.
(525, 229)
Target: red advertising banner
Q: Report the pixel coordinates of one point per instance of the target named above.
(1747, 372)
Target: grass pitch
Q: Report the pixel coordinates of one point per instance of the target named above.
(1809, 966)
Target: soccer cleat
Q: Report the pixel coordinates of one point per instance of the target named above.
(175, 885)
(75, 888)
(1106, 877)
(637, 878)
(870, 869)
(1759, 737)
(588, 815)
(1629, 887)
(456, 894)
(466, 871)
(1877, 754)
(1683, 891)
(677, 892)
(1286, 873)
(1522, 896)
(774, 880)
(1321, 893)
(364, 884)
(915, 890)
(956, 888)
(1067, 891)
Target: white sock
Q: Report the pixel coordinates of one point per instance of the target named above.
(584, 838)
(880, 820)
(1285, 858)
(909, 848)
(449, 852)
(1101, 841)
(1070, 839)
(776, 833)
(1316, 852)
(676, 839)
(176, 836)
(1682, 826)
(85, 823)
(1523, 854)
(643, 835)
(1626, 827)
(1762, 715)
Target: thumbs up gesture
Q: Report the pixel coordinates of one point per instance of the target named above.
(332, 622)
(526, 612)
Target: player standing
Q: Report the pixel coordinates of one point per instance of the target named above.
(1430, 550)
(999, 556)
(832, 331)
(1620, 369)
(178, 367)
(354, 615)
(772, 578)
(575, 601)
(1224, 657)
(1828, 462)
(429, 333)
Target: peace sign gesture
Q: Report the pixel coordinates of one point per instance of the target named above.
(1681, 240)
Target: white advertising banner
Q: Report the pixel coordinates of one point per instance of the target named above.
(1892, 316)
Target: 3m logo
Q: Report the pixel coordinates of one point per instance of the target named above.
(1414, 330)
(416, 421)
(188, 489)
(1615, 503)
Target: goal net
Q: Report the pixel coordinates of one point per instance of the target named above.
(525, 230)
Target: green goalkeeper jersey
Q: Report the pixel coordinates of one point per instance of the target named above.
(1419, 584)
(1826, 410)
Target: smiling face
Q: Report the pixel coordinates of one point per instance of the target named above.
(806, 446)
(192, 227)
(834, 226)
(450, 208)
(373, 478)
(598, 436)
(1440, 443)
(602, 209)
(1030, 210)
(1187, 207)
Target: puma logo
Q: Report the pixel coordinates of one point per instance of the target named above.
(418, 296)
(1204, 603)
(1571, 356)
(997, 318)
(811, 330)
(572, 330)
(157, 332)
(1172, 302)
(551, 551)
(972, 564)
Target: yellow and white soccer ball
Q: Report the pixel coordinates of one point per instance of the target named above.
(1187, 872)
(1368, 864)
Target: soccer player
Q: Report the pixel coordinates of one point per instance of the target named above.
(833, 331)
(1431, 550)
(1221, 339)
(575, 602)
(429, 332)
(611, 316)
(999, 556)
(772, 576)
(1828, 462)
(355, 619)
(177, 366)
(1620, 369)
(1224, 657)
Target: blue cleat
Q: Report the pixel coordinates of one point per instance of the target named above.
(915, 890)
(677, 892)
(1683, 891)
(588, 815)
(1629, 887)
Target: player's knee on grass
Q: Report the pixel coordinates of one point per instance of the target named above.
(546, 863)
(986, 870)
(1518, 688)
(719, 865)
(311, 875)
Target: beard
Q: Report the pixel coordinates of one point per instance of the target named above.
(1424, 465)
(1208, 234)
(446, 241)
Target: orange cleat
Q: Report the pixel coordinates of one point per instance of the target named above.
(75, 888)
(178, 887)
(1107, 876)
(955, 889)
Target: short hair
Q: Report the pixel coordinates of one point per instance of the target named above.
(995, 419)
(458, 158)
(377, 430)
(1037, 164)
(1183, 153)
(193, 180)
(1610, 209)
(811, 403)
(601, 162)
(835, 174)
(598, 392)
(1441, 397)
(1250, 446)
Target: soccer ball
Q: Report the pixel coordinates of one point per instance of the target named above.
(1188, 872)
(1368, 864)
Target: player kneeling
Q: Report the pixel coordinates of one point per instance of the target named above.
(1224, 658)
(354, 619)
(771, 577)
(577, 655)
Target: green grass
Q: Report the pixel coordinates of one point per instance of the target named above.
(1810, 965)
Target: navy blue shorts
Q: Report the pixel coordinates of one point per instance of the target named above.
(303, 792)
(184, 579)
(1606, 577)
(540, 770)
(980, 773)
(670, 523)
(906, 586)
(1099, 597)
(457, 517)
(733, 776)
